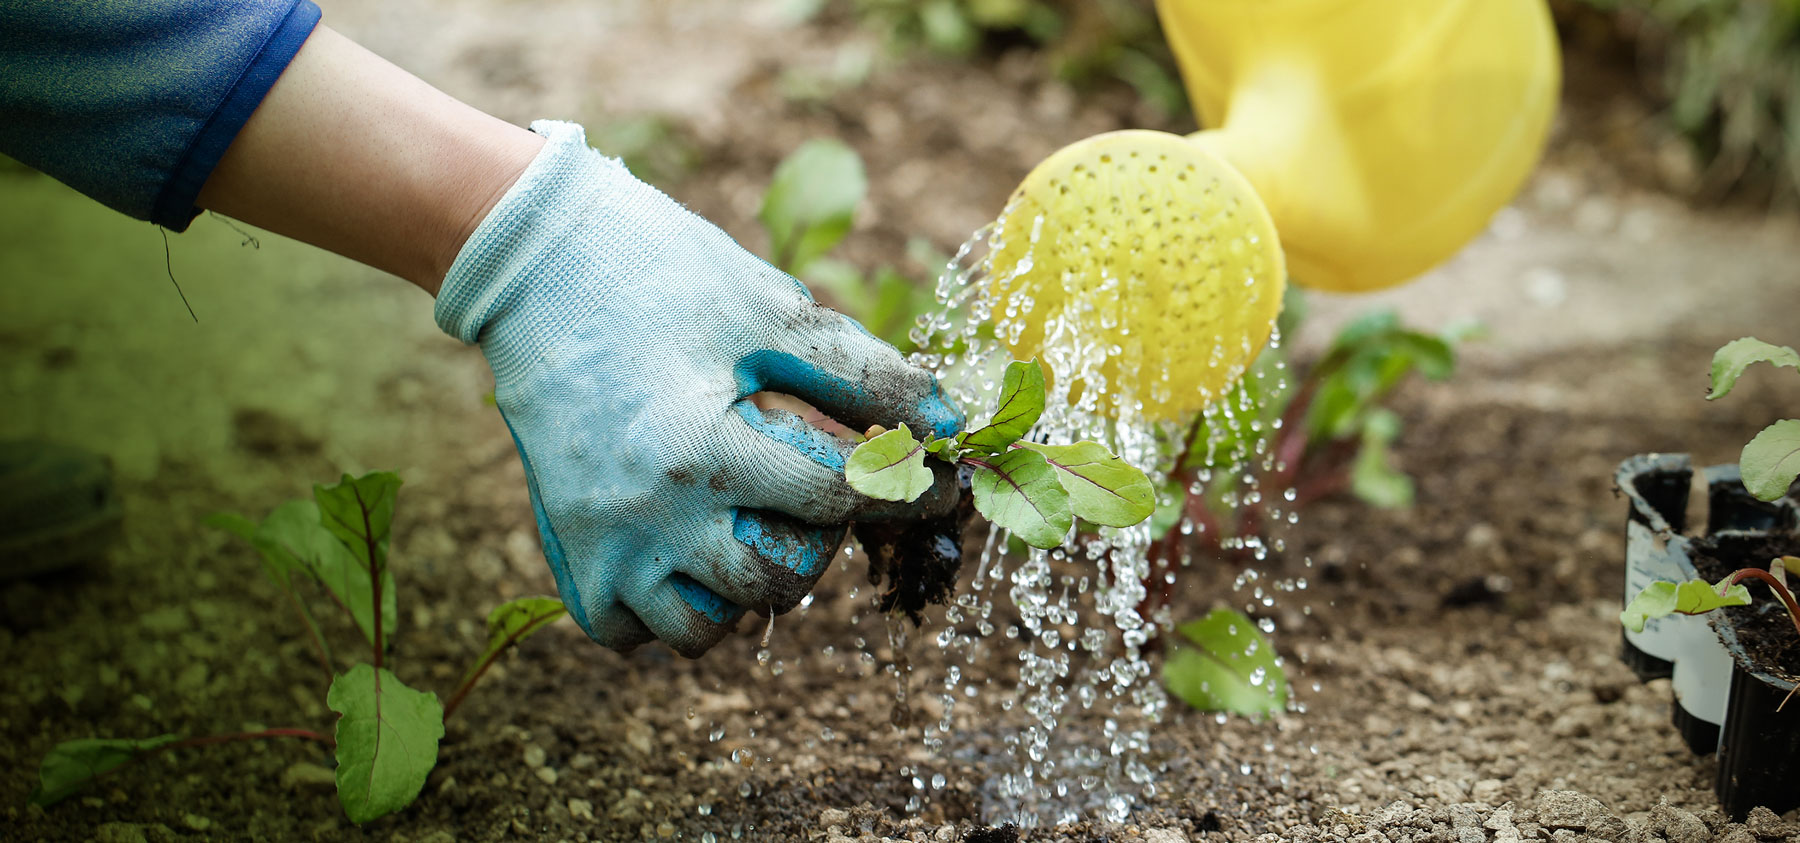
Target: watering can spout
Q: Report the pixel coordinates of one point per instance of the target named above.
(1283, 134)
(1352, 145)
(1382, 134)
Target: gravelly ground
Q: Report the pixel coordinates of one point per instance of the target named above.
(1604, 302)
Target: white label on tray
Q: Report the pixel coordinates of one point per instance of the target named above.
(1702, 678)
(1647, 560)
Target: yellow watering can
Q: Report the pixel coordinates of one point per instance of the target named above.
(1353, 144)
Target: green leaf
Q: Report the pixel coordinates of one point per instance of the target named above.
(890, 467)
(947, 30)
(1365, 328)
(1227, 439)
(1693, 597)
(1373, 478)
(1366, 361)
(653, 148)
(278, 562)
(842, 282)
(72, 764)
(811, 202)
(295, 531)
(1771, 461)
(1730, 361)
(943, 449)
(387, 741)
(232, 523)
(1102, 488)
(1018, 491)
(515, 621)
(1225, 664)
(1171, 505)
(1432, 356)
(360, 512)
(1021, 402)
(899, 301)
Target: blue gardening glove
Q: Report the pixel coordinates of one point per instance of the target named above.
(625, 334)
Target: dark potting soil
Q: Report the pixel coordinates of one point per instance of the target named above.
(1764, 629)
(918, 561)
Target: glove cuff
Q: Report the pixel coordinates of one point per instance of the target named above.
(575, 224)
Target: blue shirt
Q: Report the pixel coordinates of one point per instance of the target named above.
(133, 102)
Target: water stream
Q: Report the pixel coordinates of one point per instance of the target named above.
(1044, 675)
(1077, 708)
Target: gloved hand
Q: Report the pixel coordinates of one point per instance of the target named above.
(625, 334)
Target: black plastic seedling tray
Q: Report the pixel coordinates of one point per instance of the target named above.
(1722, 701)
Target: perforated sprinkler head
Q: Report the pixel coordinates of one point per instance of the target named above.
(1142, 268)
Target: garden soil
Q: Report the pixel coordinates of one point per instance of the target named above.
(1457, 661)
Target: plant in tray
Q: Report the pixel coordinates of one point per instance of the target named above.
(1697, 596)
(1732, 677)
(386, 736)
(1771, 460)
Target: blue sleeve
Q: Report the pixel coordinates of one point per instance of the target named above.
(133, 102)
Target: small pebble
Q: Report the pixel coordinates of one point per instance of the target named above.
(303, 775)
(581, 809)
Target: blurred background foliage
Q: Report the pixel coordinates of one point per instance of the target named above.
(1725, 74)
(1086, 42)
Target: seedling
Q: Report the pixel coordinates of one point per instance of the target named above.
(1697, 597)
(386, 735)
(809, 208)
(1222, 662)
(1293, 441)
(1084, 42)
(1033, 489)
(1769, 462)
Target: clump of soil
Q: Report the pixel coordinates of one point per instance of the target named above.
(1764, 628)
(918, 560)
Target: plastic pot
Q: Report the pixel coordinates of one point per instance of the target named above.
(1759, 747)
(1723, 702)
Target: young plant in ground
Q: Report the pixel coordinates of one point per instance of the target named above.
(808, 209)
(1222, 662)
(1086, 43)
(1293, 442)
(1293, 439)
(1697, 596)
(1770, 461)
(1033, 489)
(386, 735)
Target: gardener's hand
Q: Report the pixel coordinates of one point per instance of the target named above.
(625, 335)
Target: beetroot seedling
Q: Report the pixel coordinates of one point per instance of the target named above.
(386, 735)
(1771, 461)
(1288, 440)
(1034, 490)
(1222, 662)
(1697, 596)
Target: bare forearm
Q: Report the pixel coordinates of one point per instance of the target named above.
(356, 156)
